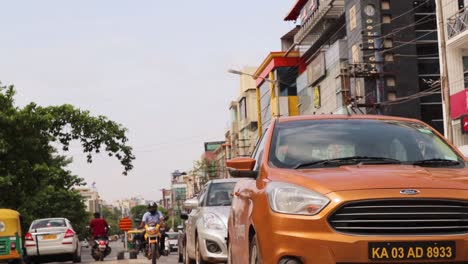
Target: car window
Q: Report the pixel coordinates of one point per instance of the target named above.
(307, 141)
(172, 235)
(220, 194)
(258, 153)
(201, 197)
(44, 223)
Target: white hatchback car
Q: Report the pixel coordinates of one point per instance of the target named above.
(52, 239)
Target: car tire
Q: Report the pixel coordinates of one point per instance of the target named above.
(198, 255)
(254, 251)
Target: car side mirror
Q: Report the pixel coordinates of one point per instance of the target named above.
(242, 168)
(184, 216)
(191, 203)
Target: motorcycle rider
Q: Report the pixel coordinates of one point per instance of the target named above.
(153, 215)
(99, 226)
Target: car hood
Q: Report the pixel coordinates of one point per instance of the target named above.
(362, 177)
(221, 211)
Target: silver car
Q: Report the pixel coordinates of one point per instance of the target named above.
(206, 230)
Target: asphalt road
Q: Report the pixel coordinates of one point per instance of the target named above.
(117, 247)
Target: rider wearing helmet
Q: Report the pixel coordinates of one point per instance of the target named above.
(154, 216)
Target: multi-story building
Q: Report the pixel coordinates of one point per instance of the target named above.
(455, 18)
(91, 199)
(367, 54)
(276, 87)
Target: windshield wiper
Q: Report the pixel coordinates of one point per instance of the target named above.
(436, 162)
(353, 159)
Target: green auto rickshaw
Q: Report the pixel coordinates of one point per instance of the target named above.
(11, 246)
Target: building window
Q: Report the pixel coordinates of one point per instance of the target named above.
(391, 96)
(386, 19)
(465, 70)
(385, 5)
(390, 81)
(243, 109)
(352, 18)
(388, 43)
(389, 57)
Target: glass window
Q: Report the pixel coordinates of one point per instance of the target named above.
(243, 109)
(45, 223)
(465, 70)
(302, 142)
(220, 194)
(258, 152)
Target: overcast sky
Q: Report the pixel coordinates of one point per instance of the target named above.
(157, 67)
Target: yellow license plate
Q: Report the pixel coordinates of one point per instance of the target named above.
(441, 250)
(49, 237)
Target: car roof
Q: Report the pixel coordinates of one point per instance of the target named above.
(224, 180)
(337, 117)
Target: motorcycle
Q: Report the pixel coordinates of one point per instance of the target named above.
(101, 248)
(152, 238)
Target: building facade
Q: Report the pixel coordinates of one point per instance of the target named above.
(455, 18)
(368, 54)
(91, 199)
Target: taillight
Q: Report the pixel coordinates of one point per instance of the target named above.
(13, 245)
(69, 233)
(29, 237)
(102, 242)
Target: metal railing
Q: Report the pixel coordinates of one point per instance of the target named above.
(457, 23)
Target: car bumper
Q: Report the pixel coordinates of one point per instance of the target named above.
(31, 251)
(312, 240)
(218, 237)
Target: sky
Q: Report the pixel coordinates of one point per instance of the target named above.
(159, 68)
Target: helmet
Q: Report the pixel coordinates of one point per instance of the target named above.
(152, 204)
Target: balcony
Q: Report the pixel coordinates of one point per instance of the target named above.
(457, 29)
(316, 24)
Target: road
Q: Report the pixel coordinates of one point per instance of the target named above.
(117, 247)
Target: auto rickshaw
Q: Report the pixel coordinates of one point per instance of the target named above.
(11, 246)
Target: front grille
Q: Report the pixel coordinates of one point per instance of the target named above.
(401, 217)
(4, 248)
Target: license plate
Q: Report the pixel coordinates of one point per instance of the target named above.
(441, 250)
(49, 237)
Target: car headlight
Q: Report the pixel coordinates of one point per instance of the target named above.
(292, 199)
(212, 221)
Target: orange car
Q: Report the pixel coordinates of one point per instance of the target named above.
(349, 189)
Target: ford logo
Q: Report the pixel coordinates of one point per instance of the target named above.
(409, 192)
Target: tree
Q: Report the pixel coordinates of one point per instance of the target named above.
(33, 178)
(112, 218)
(137, 213)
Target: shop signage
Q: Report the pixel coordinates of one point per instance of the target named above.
(317, 101)
(459, 104)
(316, 69)
(464, 124)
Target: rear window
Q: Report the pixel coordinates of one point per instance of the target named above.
(172, 235)
(44, 223)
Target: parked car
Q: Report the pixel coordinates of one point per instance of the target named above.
(350, 189)
(52, 239)
(206, 229)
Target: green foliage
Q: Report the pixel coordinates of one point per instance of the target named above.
(33, 177)
(137, 212)
(112, 218)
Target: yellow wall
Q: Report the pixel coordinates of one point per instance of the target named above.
(293, 102)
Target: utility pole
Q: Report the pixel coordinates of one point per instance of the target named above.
(444, 80)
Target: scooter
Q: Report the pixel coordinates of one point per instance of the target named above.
(100, 248)
(167, 248)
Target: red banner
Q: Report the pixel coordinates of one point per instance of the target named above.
(459, 104)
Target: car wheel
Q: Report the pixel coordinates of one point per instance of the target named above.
(254, 252)
(198, 255)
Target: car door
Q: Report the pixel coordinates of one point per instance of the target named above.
(241, 209)
(76, 239)
(194, 216)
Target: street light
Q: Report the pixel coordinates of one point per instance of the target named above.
(274, 82)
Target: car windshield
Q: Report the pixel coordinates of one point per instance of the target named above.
(311, 142)
(45, 223)
(172, 235)
(220, 194)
